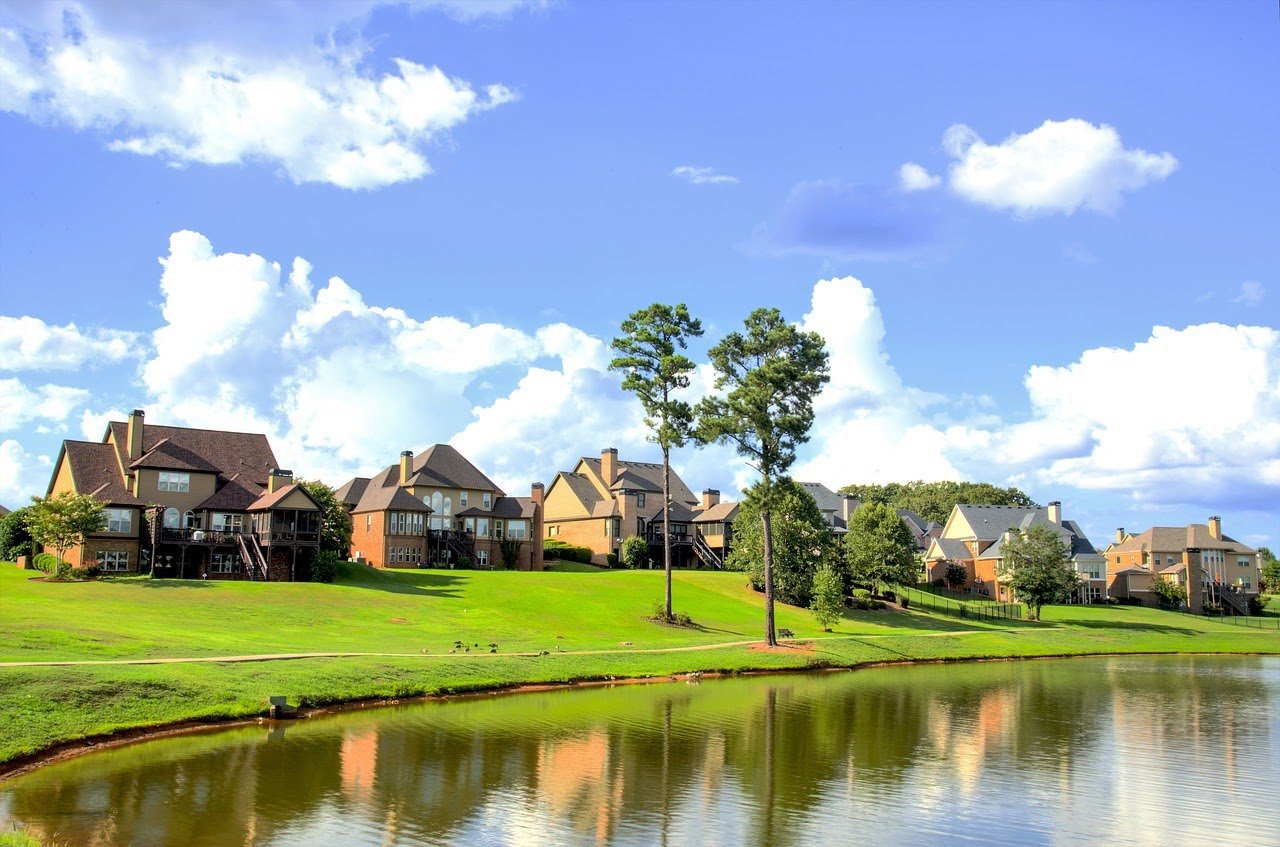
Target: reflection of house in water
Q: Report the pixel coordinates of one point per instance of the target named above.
(359, 759)
(577, 782)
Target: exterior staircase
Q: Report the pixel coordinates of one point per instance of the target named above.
(1229, 598)
(251, 554)
(708, 556)
(460, 545)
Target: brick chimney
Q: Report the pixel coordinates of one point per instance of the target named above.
(1119, 535)
(1215, 527)
(135, 434)
(1055, 513)
(537, 492)
(848, 505)
(609, 465)
(710, 497)
(406, 466)
(279, 479)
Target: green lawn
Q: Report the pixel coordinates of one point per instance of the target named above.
(415, 611)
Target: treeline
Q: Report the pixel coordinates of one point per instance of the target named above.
(933, 501)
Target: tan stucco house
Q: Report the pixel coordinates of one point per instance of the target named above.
(1213, 567)
(974, 535)
(186, 502)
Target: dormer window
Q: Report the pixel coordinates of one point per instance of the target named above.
(174, 481)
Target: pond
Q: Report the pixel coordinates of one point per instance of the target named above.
(1120, 751)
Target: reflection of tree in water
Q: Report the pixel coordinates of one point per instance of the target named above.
(592, 761)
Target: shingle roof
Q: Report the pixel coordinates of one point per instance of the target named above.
(234, 496)
(267, 500)
(1172, 539)
(989, 523)
(921, 525)
(1021, 518)
(229, 453)
(648, 474)
(952, 549)
(166, 455)
(827, 500)
(513, 507)
(719, 513)
(96, 472)
(384, 492)
(442, 465)
(349, 494)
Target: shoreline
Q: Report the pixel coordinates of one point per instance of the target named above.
(74, 748)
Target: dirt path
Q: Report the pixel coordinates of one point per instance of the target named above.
(285, 657)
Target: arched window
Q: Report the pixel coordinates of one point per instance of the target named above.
(172, 518)
(448, 505)
(437, 503)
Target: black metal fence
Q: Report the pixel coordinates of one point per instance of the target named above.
(975, 609)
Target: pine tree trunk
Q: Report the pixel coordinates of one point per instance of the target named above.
(770, 635)
(666, 523)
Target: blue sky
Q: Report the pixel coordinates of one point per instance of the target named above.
(498, 184)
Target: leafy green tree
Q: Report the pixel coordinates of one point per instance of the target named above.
(802, 541)
(933, 501)
(635, 552)
(1270, 569)
(15, 537)
(880, 548)
(828, 596)
(1169, 594)
(325, 566)
(509, 550)
(770, 375)
(1036, 562)
(335, 522)
(655, 371)
(63, 520)
(956, 575)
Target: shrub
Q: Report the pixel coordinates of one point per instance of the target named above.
(324, 567)
(635, 550)
(887, 594)
(464, 561)
(87, 572)
(866, 604)
(1256, 604)
(611, 560)
(553, 548)
(939, 583)
(1127, 601)
(861, 594)
(45, 561)
(964, 610)
(904, 601)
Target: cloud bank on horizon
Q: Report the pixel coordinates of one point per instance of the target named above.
(342, 386)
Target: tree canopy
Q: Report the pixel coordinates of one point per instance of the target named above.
(1270, 569)
(802, 541)
(335, 523)
(770, 375)
(655, 371)
(15, 537)
(828, 596)
(1036, 563)
(879, 547)
(62, 520)
(933, 501)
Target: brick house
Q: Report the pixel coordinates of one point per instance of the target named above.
(1196, 555)
(438, 509)
(974, 537)
(603, 501)
(186, 502)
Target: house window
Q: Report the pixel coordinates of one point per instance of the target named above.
(113, 560)
(227, 522)
(448, 505)
(553, 530)
(368, 522)
(486, 500)
(640, 499)
(189, 519)
(224, 563)
(119, 520)
(173, 481)
(462, 499)
(516, 529)
(497, 529)
(172, 518)
(482, 527)
(437, 503)
(404, 523)
(482, 558)
(1244, 561)
(470, 525)
(608, 528)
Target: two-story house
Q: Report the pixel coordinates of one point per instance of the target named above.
(603, 501)
(186, 502)
(1212, 567)
(974, 537)
(438, 509)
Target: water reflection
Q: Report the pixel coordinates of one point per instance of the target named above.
(1067, 752)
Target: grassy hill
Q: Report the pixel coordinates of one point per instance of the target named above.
(569, 625)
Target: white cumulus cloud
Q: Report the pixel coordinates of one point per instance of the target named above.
(316, 110)
(913, 177)
(1061, 166)
(21, 404)
(1251, 293)
(28, 343)
(22, 474)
